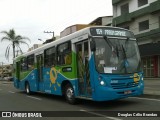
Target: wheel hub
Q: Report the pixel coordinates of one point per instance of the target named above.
(70, 93)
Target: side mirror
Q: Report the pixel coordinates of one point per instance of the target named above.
(93, 45)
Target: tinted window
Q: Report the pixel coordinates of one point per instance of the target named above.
(24, 64)
(124, 9)
(144, 25)
(49, 59)
(30, 62)
(142, 2)
(64, 55)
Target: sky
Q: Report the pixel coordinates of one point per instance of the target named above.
(30, 18)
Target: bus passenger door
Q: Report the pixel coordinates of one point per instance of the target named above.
(40, 72)
(83, 69)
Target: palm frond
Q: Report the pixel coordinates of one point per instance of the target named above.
(4, 32)
(23, 42)
(10, 34)
(19, 37)
(5, 38)
(7, 52)
(19, 49)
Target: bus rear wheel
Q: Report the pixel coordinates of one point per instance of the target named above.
(69, 94)
(27, 89)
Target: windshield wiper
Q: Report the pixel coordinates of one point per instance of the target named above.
(111, 45)
(124, 52)
(108, 42)
(126, 64)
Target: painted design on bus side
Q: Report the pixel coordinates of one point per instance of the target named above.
(53, 75)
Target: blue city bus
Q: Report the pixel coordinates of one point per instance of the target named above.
(98, 63)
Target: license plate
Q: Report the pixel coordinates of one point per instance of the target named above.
(128, 92)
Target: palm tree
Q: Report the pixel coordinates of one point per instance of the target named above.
(15, 41)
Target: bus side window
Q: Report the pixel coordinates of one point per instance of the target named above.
(24, 64)
(49, 57)
(30, 62)
(64, 54)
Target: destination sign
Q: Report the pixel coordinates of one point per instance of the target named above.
(111, 32)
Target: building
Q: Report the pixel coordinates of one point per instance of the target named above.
(72, 29)
(104, 20)
(142, 17)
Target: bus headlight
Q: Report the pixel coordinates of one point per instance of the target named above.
(142, 78)
(102, 83)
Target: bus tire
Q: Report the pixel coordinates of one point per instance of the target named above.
(27, 89)
(69, 94)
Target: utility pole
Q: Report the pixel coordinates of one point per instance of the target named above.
(49, 32)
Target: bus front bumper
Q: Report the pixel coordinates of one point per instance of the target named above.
(105, 94)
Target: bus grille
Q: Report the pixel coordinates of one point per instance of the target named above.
(124, 85)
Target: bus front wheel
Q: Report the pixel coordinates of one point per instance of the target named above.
(69, 94)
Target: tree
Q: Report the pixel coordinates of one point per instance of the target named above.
(15, 41)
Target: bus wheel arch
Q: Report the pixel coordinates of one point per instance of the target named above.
(68, 92)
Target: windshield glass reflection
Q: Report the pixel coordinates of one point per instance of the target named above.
(117, 56)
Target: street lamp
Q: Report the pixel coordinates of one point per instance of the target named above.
(40, 40)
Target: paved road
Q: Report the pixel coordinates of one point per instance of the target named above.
(12, 99)
(152, 86)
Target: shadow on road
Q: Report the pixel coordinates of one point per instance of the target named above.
(107, 105)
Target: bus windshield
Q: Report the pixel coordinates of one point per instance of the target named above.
(117, 56)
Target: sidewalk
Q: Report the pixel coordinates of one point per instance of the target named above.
(152, 86)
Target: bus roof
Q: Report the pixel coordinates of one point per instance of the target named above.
(65, 39)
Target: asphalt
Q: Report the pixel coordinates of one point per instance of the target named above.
(152, 86)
